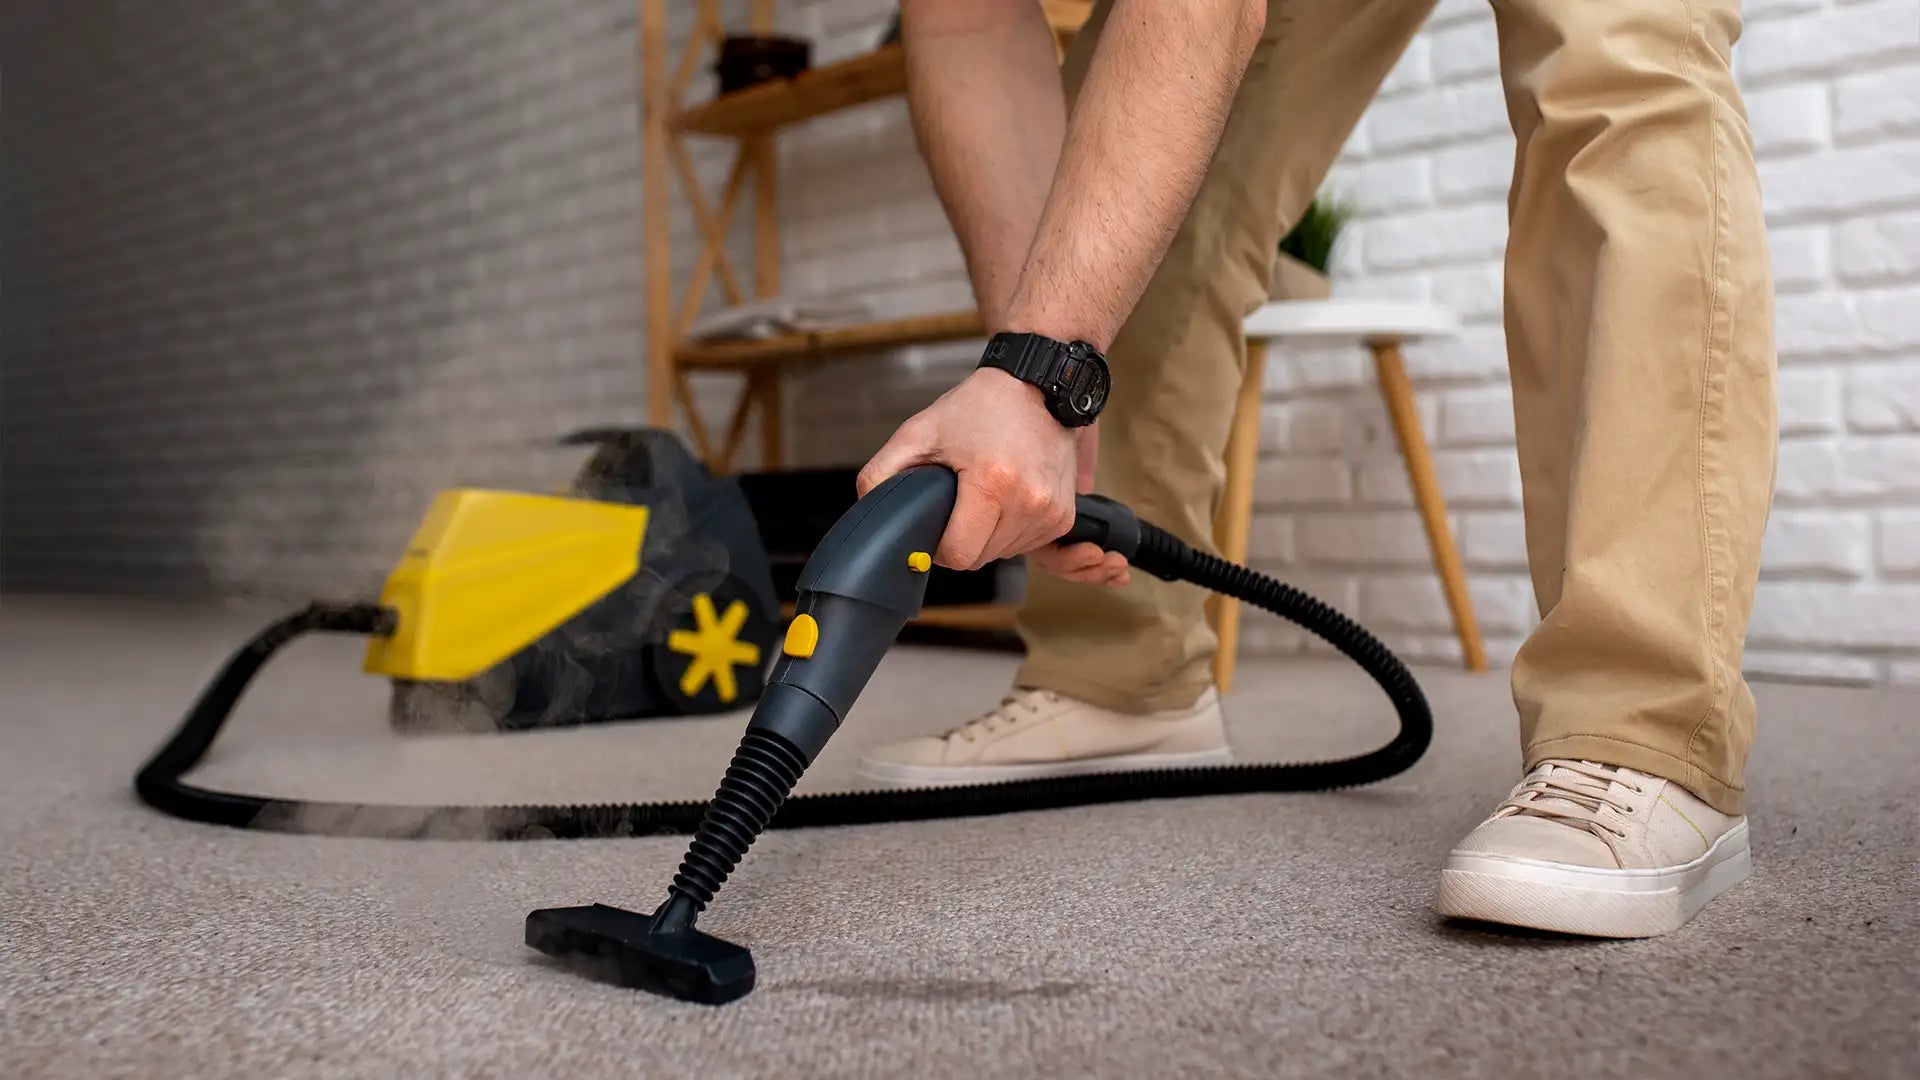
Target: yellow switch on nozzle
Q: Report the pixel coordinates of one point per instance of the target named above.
(920, 562)
(802, 635)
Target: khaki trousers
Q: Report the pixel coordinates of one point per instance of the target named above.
(1639, 327)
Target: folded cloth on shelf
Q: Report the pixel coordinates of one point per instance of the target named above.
(775, 316)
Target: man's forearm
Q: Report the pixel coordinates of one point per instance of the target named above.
(1059, 241)
(990, 116)
(1143, 130)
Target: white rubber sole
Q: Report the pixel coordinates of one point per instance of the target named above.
(1590, 901)
(894, 775)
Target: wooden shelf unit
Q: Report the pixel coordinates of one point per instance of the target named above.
(752, 118)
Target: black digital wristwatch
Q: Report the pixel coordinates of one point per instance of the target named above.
(1072, 375)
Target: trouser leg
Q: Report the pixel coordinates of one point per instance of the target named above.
(1639, 323)
(1177, 361)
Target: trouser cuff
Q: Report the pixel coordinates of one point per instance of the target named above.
(1716, 793)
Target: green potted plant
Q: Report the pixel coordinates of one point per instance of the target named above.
(1306, 252)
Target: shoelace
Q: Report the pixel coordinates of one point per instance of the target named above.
(1027, 702)
(1573, 793)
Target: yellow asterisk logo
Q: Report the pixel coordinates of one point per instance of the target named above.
(714, 647)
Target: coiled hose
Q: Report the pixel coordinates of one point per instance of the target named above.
(159, 782)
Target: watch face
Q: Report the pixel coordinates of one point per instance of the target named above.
(1084, 381)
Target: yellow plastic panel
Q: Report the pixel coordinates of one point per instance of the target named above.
(488, 572)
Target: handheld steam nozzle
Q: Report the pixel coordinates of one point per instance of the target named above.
(864, 581)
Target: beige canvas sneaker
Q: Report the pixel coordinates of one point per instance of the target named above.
(1036, 733)
(1584, 848)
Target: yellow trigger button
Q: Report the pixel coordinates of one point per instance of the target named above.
(920, 562)
(802, 635)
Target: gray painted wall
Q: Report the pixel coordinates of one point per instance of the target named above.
(276, 272)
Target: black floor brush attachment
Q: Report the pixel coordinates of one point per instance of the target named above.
(630, 949)
(664, 952)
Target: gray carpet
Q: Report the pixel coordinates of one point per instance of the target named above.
(1258, 936)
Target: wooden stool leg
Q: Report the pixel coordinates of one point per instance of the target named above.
(1235, 513)
(1426, 492)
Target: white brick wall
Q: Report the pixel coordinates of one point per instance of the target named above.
(1834, 96)
(277, 271)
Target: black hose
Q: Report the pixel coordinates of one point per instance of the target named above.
(158, 781)
(1162, 554)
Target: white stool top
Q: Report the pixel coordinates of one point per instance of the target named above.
(1348, 319)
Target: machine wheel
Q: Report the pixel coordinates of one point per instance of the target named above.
(716, 650)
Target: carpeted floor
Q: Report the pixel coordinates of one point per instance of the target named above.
(1257, 936)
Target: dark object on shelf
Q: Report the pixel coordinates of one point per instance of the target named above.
(751, 59)
(794, 510)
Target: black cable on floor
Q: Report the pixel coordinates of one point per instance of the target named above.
(159, 782)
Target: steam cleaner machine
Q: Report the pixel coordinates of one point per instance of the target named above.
(645, 590)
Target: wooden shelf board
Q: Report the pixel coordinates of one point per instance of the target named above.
(954, 616)
(872, 76)
(857, 80)
(841, 340)
(967, 617)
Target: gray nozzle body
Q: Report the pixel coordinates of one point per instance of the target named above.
(865, 581)
(857, 592)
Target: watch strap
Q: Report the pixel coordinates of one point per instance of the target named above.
(1027, 357)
